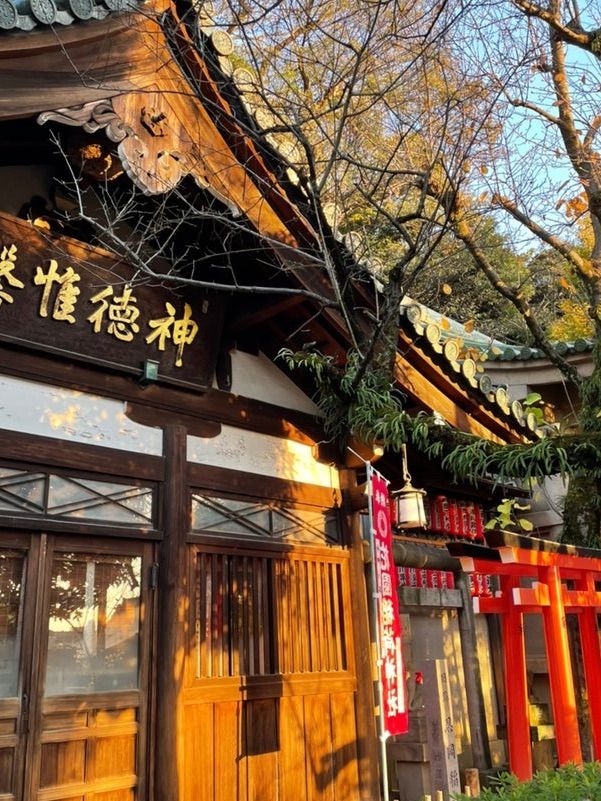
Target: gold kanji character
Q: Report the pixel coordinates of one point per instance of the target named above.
(8, 259)
(181, 332)
(67, 292)
(122, 313)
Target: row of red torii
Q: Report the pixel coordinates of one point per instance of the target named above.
(564, 580)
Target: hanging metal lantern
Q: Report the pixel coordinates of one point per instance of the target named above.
(409, 501)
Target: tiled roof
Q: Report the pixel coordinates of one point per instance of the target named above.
(450, 348)
(25, 15)
(502, 351)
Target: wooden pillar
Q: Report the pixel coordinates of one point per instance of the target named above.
(591, 656)
(516, 686)
(367, 739)
(173, 601)
(559, 664)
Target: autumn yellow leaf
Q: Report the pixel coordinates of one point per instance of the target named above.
(446, 289)
(444, 323)
(565, 284)
(469, 326)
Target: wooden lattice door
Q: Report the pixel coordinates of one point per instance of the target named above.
(270, 710)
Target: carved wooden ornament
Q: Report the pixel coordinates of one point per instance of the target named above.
(154, 148)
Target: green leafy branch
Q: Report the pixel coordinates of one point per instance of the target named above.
(508, 517)
(371, 409)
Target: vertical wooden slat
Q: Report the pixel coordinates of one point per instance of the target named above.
(276, 567)
(285, 615)
(214, 630)
(240, 641)
(200, 753)
(262, 750)
(320, 623)
(90, 772)
(251, 589)
(292, 766)
(337, 621)
(227, 750)
(347, 628)
(332, 632)
(318, 737)
(242, 759)
(234, 627)
(313, 639)
(303, 617)
(220, 594)
(207, 594)
(242, 611)
(261, 618)
(268, 651)
(344, 747)
(226, 603)
(295, 624)
(199, 616)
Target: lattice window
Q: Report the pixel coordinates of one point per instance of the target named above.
(51, 495)
(262, 615)
(262, 519)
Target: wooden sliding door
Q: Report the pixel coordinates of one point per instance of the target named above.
(74, 646)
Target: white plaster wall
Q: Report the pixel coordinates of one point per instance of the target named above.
(263, 455)
(258, 378)
(33, 408)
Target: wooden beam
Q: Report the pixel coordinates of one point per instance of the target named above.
(490, 606)
(55, 452)
(470, 564)
(222, 407)
(174, 594)
(534, 558)
(432, 387)
(222, 479)
(535, 596)
(266, 312)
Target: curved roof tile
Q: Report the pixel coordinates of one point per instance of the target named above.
(25, 15)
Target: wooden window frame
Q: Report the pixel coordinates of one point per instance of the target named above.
(29, 452)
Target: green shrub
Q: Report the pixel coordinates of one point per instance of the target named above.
(568, 783)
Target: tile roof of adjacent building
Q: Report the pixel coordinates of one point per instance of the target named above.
(453, 347)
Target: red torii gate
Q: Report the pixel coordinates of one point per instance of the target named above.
(512, 557)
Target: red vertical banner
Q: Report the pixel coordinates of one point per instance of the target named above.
(394, 697)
